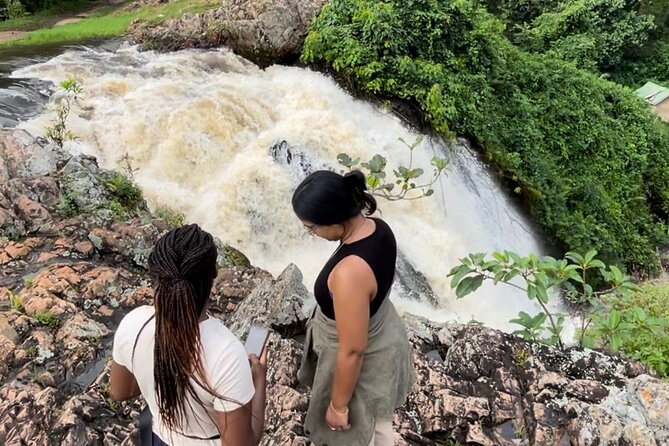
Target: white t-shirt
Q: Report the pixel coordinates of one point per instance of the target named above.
(225, 362)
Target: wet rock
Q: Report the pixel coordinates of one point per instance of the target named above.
(266, 33)
(480, 352)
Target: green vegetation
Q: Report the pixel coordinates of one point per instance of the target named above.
(406, 177)
(15, 301)
(615, 314)
(173, 218)
(111, 22)
(126, 196)
(67, 206)
(23, 20)
(58, 132)
(576, 275)
(637, 326)
(585, 155)
(594, 34)
(48, 319)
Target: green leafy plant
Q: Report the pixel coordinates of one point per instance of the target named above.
(574, 275)
(58, 132)
(67, 206)
(409, 187)
(48, 319)
(15, 9)
(636, 325)
(126, 196)
(15, 301)
(28, 283)
(520, 357)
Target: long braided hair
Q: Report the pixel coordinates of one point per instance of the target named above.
(183, 262)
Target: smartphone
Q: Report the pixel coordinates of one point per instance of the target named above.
(256, 339)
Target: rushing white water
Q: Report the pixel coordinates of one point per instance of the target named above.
(200, 125)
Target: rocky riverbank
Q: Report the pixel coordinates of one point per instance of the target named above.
(265, 32)
(66, 282)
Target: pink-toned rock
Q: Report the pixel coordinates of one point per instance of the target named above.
(17, 250)
(6, 330)
(105, 311)
(653, 395)
(58, 278)
(45, 257)
(103, 282)
(85, 248)
(79, 328)
(33, 212)
(41, 303)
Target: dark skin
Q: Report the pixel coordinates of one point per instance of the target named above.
(243, 426)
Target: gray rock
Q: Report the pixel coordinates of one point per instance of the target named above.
(277, 304)
(83, 185)
(264, 32)
(22, 156)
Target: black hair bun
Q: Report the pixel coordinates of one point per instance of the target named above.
(356, 181)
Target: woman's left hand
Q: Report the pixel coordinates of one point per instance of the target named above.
(336, 421)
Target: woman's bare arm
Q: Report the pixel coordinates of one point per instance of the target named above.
(122, 383)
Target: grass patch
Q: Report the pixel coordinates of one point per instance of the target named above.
(48, 319)
(110, 22)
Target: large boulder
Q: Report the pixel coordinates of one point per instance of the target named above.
(278, 304)
(265, 32)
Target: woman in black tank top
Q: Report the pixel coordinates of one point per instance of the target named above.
(351, 288)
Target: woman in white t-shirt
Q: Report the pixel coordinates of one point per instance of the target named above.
(200, 385)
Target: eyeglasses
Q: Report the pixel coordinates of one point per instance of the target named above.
(311, 229)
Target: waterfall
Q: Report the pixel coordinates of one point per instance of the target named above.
(225, 143)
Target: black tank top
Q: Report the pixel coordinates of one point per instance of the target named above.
(379, 250)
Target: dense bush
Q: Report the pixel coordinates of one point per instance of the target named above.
(10, 9)
(595, 34)
(585, 154)
(650, 65)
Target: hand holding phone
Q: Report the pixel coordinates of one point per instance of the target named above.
(256, 340)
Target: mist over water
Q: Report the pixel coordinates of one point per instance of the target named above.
(200, 127)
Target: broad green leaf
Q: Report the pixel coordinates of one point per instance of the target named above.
(575, 257)
(590, 255)
(510, 275)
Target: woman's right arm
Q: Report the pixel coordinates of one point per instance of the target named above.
(244, 426)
